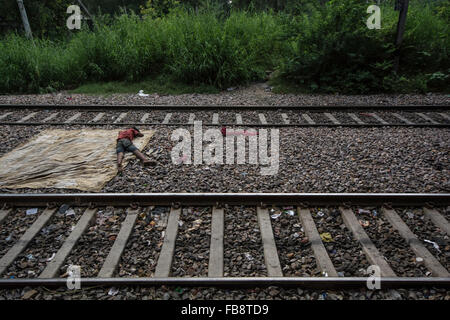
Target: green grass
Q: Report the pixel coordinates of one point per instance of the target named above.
(323, 49)
(160, 85)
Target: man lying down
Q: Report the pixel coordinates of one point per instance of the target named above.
(125, 144)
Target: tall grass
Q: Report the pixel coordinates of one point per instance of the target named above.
(195, 48)
(324, 49)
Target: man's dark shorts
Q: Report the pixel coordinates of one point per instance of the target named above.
(125, 145)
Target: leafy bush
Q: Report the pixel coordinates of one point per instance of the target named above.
(194, 48)
(325, 48)
(334, 51)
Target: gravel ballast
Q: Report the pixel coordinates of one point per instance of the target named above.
(344, 251)
(253, 95)
(191, 255)
(310, 160)
(275, 117)
(94, 245)
(146, 238)
(42, 249)
(243, 251)
(389, 242)
(294, 248)
(199, 293)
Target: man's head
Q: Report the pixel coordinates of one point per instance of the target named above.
(139, 134)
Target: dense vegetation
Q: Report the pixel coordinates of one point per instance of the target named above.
(306, 45)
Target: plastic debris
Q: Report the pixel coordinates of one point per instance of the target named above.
(9, 237)
(410, 215)
(29, 294)
(248, 256)
(362, 271)
(158, 210)
(364, 223)
(179, 290)
(30, 257)
(231, 89)
(70, 212)
(52, 257)
(305, 240)
(325, 274)
(32, 211)
(419, 259)
(290, 212)
(196, 225)
(142, 215)
(63, 208)
(113, 291)
(363, 211)
(142, 94)
(275, 216)
(320, 213)
(180, 223)
(374, 213)
(341, 274)
(435, 245)
(31, 273)
(326, 237)
(296, 235)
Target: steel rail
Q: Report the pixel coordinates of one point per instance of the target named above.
(307, 282)
(278, 125)
(220, 199)
(221, 107)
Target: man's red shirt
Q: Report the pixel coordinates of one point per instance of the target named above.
(129, 134)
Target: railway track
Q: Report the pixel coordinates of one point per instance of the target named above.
(268, 207)
(410, 116)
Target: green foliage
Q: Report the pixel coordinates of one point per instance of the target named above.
(190, 48)
(47, 17)
(322, 48)
(205, 50)
(159, 8)
(334, 51)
